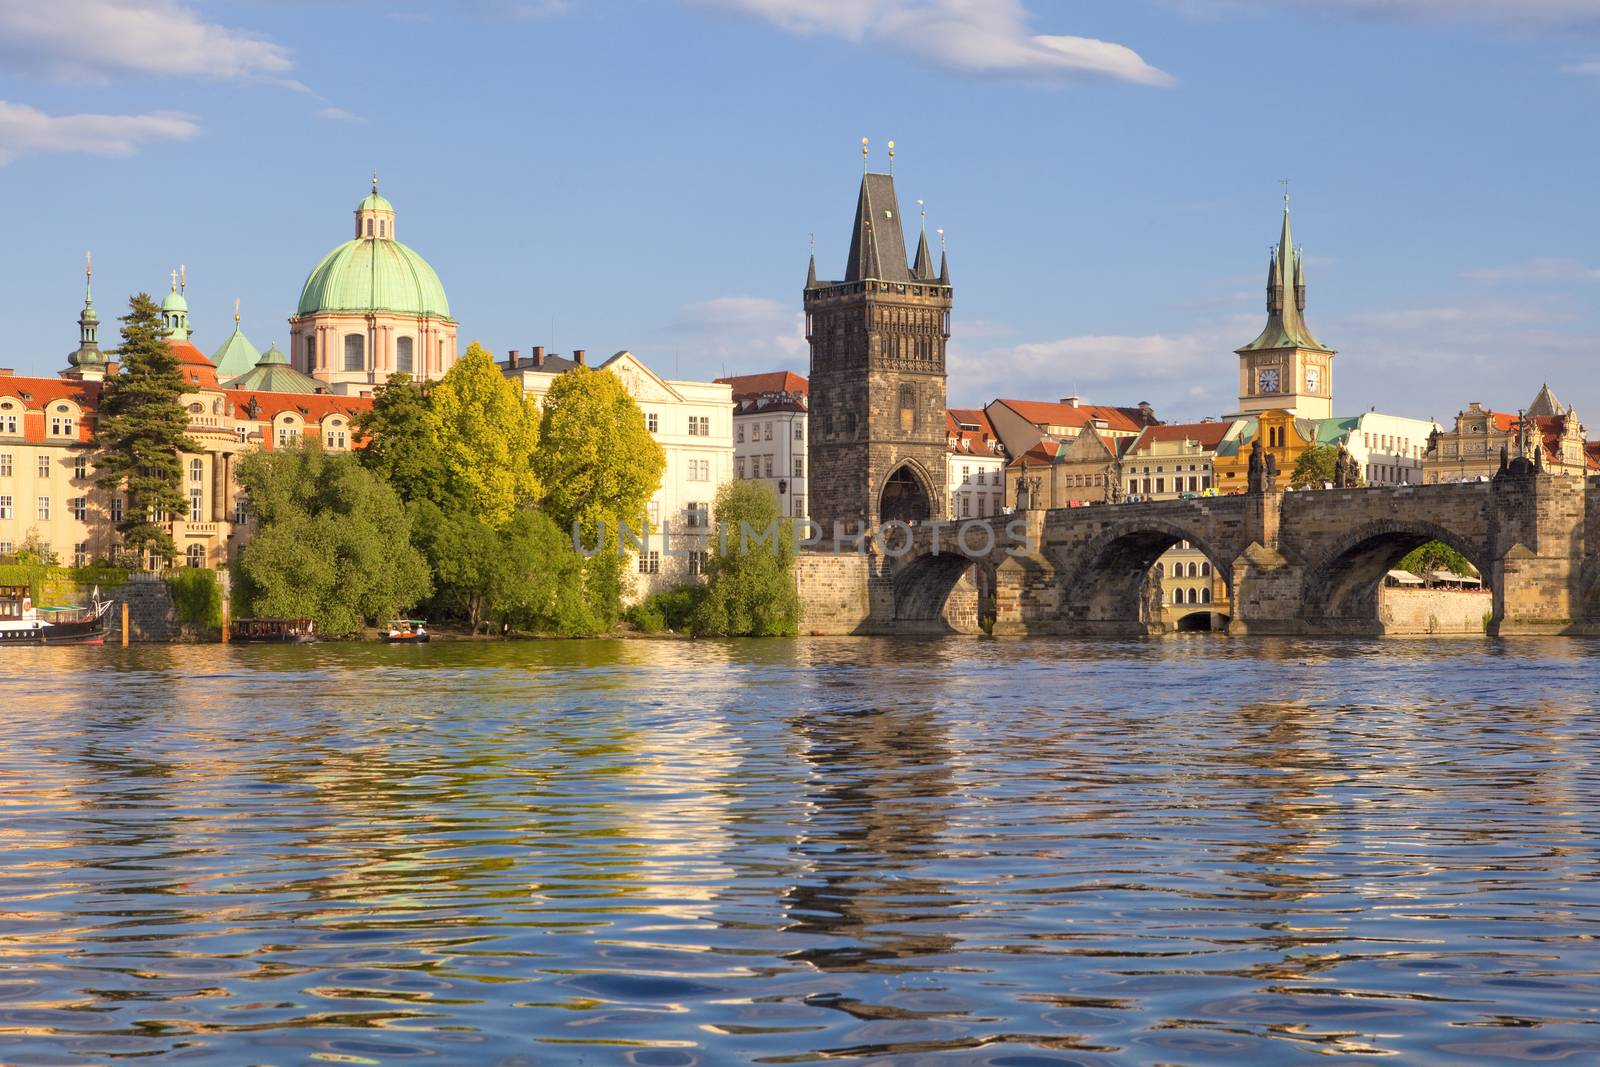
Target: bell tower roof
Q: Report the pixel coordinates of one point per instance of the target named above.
(877, 242)
(1286, 283)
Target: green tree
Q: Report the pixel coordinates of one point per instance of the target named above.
(333, 542)
(485, 432)
(751, 588)
(140, 431)
(1315, 467)
(1436, 556)
(400, 446)
(599, 466)
(542, 582)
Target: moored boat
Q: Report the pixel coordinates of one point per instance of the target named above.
(23, 624)
(406, 632)
(273, 631)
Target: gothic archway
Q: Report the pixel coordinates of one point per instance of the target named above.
(904, 498)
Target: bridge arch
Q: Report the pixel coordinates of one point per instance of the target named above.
(1342, 583)
(1106, 584)
(947, 593)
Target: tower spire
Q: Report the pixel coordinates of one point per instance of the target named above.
(944, 262)
(922, 267)
(87, 363)
(811, 267)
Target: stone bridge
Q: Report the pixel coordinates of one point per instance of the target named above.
(1294, 563)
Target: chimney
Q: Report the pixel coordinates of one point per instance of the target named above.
(578, 358)
(1072, 401)
(1148, 412)
(511, 360)
(7, 372)
(538, 355)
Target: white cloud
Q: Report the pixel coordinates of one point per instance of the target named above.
(339, 114)
(970, 36)
(1538, 270)
(25, 130)
(90, 40)
(736, 335)
(1506, 12)
(1591, 69)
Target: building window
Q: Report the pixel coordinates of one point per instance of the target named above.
(197, 470)
(799, 466)
(652, 422)
(650, 563)
(116, 509)
(1205, 596)
(908, 408)
(7, 548)
(196, 505)
(1177, 596)
(44, 466)
(797, 506)
(369, 227)
(767, 427)
(404, 360)
(738, 466)
(966, 505)
(5, 507)
(697, 562)
(311, 353)
(288, 435)
(699, 470)
(799, 430)
(80, 554)
(61, 425)
(355, 354)
(336, 439)
(240, 514)
(5, 464)
(695, 515)
(80, 467)
(738, 434)
(1205, 570)
(699, 426)
(1177, 570)
(383, 228)
(197, 555)
(43, 509)
(80, 508)
(8, 424)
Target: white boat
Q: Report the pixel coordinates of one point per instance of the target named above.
(23, 624)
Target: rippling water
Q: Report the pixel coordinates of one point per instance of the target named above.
(1012, 853)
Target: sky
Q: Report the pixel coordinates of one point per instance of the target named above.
(649, 174)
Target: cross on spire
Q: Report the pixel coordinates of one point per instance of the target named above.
(174, 281)
(1285, 182)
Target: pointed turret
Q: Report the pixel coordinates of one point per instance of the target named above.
(1546, 405)
(878, 244)
(922, 268)
(88, 363)
(811, 272)
(237, 355)
(1286, 326)
(944, 268)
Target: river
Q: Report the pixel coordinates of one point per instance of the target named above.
(1191, 851)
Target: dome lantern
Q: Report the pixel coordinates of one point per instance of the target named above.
(374, 216)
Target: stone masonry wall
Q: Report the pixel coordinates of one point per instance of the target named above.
(1433, 611)
(151, 615)
(836, 592)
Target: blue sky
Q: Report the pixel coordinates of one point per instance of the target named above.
(612, 174)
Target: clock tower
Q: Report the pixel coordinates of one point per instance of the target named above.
(1286, 366)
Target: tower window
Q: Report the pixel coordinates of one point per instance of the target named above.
(403, 358)
(311, 353)
(354, 352)
(369, 227)
(382, 228)
(908, 408)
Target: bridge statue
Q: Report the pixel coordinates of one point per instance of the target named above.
(1271, 483)
(1256, 480)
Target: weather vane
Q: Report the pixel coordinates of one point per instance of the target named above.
(863, 155)
(941, 239)
(891, 157)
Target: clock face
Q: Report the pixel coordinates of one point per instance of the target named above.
(1268, 381)
(1313, 379)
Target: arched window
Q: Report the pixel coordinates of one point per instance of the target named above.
(311, 353)
(355, 357)
(1205, 570)
(1177, 570)
(1194, 596)
(382, 228)
(369, 227)
(1194, 570)
(1205, 596)
(1177, 596)
(197, 470)
(196, 555)
(403, 359)
(908, 408)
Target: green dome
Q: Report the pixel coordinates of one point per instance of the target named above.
(175, 302)
(368, 274)
(374, 202)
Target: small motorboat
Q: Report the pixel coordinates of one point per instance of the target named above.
(406, 632)
(273, 631)
(23, 624)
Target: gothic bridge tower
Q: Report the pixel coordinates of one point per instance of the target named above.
(878, 373)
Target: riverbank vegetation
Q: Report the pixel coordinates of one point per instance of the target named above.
(750, 591)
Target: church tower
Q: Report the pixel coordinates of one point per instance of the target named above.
(1286, 367)
(88, 362)
(877, 340)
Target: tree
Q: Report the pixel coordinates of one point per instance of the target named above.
(751, 589)
(400, 444)
(333, 543)
(542, 582)
(599, 466)
(485, 432)
(140, 431)
(1315, 467)
(1436, 556)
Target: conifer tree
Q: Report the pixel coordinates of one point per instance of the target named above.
(140, 431)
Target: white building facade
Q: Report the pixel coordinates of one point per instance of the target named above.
(693, 423)
(770, 424)
(975, 465)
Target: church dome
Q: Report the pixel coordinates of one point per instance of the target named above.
(374, 272)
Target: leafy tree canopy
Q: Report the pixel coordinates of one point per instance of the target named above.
(333, 544)
(485, 432)
(1436, 556)
(596, 460)
(751, 588)
(139, 431)
(1315, 467)
(400, 445)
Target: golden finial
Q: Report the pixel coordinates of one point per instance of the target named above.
(1285, 183)
(923, 211)
(88, 278)
(891, 157)
(863, 155)
(183, 277)
(374, 179)
(941, 239)
(235, 311)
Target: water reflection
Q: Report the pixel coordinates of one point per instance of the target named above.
(915, 851)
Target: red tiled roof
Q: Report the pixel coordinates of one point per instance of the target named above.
(197, 367)
(38, 393)
(1591, 453)
(1205, 434)
(1043, 453)
(777, 381)
(313, 407)
(961, 436)
(1044, 413)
